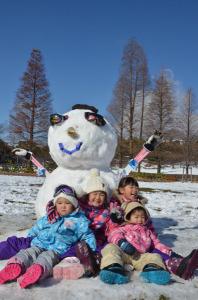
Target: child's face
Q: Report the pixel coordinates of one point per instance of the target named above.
(137, 217)
(96, 199)
(129, 192)
(64, 207)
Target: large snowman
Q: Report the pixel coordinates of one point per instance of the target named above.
(79, 141)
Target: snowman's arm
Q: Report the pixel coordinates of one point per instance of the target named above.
(149, 146)
(29, 156)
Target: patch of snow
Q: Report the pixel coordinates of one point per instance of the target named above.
(173, 207)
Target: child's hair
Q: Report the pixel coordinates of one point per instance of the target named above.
(127, 180)
(137, 210)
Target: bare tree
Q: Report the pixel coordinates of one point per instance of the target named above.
(145, 81)
(144, 86)
(188, 126)
(117, 110)
(132, 70)
(160, 113)
(29, 120)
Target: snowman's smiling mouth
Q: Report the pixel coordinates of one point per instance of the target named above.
(70, 152)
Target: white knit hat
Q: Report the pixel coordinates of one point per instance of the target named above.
(70, 198)
(95, 183)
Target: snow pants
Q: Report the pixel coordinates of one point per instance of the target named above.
(112, 254)
(14, 244)
(35, 255)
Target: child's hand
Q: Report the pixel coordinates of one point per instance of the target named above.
(126, 247)
(116, 213)
(52, 214)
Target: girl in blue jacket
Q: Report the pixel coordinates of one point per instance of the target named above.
(50, 239)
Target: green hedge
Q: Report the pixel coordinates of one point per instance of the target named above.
(150, 176)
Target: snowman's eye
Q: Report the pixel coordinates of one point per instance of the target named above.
(57, 119)
(95, 118)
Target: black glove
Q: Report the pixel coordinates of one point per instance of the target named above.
(153, 141)
(117, 215)
(126, 247)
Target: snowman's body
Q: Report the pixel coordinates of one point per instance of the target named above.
(78, 145)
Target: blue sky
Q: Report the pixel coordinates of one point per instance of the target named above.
(82, 44)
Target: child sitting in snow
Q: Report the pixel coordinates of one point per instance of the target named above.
(130, 243)
(50, 239)
(128, 190)
(95, 206)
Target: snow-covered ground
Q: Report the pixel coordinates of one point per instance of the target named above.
(176, 169)
(173, 207)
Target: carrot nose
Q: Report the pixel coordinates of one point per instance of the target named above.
(72, 132)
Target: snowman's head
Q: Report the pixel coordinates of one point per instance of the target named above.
(81, 139)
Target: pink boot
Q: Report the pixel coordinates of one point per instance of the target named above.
(68, 268)
(10, 272)
(31, 276)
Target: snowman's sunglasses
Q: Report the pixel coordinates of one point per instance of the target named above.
(89, 116)
(95, 118)
(57, 119)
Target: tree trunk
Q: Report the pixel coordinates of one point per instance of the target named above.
(159, 166)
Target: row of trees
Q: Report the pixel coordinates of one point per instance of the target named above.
(140, 105)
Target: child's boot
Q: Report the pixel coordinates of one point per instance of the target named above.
(10, 272)
(87, 259)
(155, 274)
(114, 274)
(31, 276)
(68, 268)
(183, 267)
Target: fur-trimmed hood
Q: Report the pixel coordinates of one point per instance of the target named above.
(129, 207)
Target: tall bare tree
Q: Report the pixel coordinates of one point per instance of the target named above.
(188, 126)
(160, 113)
(117, 111)
(144, 88)
(29, 120)
(132, 70)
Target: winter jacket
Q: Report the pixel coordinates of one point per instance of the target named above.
(99, 218)
(141, 237)
(62, 234)
(117, 204)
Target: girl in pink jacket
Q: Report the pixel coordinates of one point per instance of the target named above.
(134, 239)
(128, 191)
(136, 230)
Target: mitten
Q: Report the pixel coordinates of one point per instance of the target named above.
(52, 214)
(116, 214)
(126, 247)
(41, 172)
